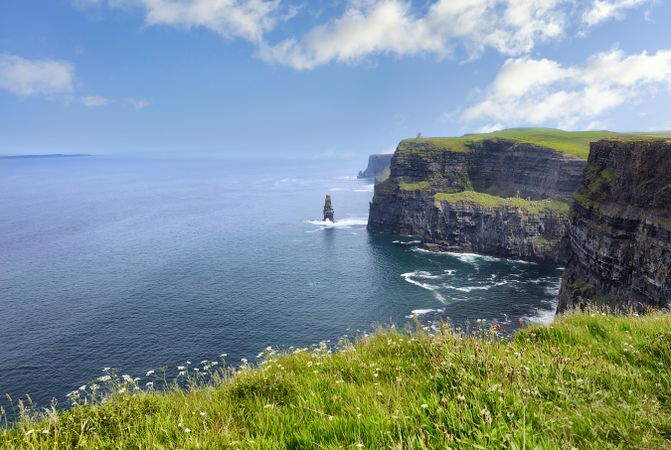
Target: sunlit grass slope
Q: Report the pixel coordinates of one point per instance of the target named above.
(491, 201)
(574, 143)
(587, 381)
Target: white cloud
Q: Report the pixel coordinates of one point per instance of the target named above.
(137, 103)
(94, 100)
(22, 76)
(392, 27)
(247, 19)
(531, 91)
(383, 27)
(37, 76)
(603, 10)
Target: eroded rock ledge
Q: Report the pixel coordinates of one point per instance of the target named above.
(620, 228)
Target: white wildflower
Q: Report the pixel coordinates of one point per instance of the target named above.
(181, 368)
(104, 378)
(187, 430)
(82, 387)
(122, 390)
(150, 373)
(424, 405)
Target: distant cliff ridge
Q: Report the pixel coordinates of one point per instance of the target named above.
(378, 167)
(50, 155)
(496, 196)
(620, 228)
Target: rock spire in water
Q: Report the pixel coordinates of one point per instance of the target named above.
(328, 209)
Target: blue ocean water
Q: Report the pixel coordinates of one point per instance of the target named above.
(137, 263)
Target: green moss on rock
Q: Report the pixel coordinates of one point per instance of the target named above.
(491, 201)
(421, 185)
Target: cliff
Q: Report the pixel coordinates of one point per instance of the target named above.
(620, 228)
(378, 168)
(497, 196)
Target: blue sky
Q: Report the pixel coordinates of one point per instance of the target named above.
(331, 79)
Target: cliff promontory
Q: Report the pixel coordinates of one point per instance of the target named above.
(493, 195)
(378, 168)
(620, 228)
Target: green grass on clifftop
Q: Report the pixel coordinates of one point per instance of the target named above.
(414, 186)
(493, 201)
(574, 143)
(588, 381)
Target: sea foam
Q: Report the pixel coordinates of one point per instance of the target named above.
(343, 223)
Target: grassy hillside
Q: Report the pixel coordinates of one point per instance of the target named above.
(574, 143)
(587, 381)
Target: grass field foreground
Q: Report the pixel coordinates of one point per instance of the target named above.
(586, 381)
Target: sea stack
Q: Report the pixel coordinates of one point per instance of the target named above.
(328, 209)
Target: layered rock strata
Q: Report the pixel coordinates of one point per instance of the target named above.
(620, 228)
(497, 196)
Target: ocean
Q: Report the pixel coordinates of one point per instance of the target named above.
(138, 263)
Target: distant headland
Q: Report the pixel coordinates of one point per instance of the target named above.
(50, 155)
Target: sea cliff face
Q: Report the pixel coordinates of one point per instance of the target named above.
(497, 196)
(378, 168)
(620, 228)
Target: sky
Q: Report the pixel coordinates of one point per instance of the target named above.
(332, 79)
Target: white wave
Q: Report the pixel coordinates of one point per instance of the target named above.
(519, 261)
(346, 177)
(409, 278)
(422, 274)
(338, 189)
(366, 188)
(429, 287)
(343, 223)
(473, 257)
(542, 316)
(470, 288)
(421, 312)
(553, 289)
(406, 242)
(480, 288)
